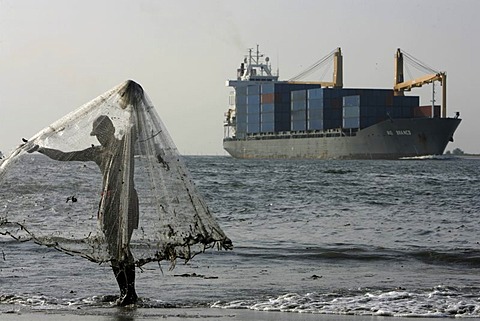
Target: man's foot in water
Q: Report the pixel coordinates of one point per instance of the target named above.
(128, 299)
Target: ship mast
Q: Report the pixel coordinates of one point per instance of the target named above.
(400, 85)
(337, 80)
(254, 69)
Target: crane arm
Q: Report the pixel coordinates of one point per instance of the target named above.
(418, 82)
(321, 83)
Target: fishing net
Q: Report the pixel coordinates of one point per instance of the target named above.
(105, 180)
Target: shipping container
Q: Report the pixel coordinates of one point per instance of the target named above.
(299, 105)
(351, 101)
(315, 124)
(299, 95)
(284, 106)
(267, 108)
(267, 127)
(253, 90)
(241, 118)
(253, 109)
(299, 115)
(241, 127)
(268, 98)
(241, 109)
(353, 111)
(315, 94)
(240, 100)
(426, 111)
(299, 125)
(267, 118)
(268, 88)
(253, 100)
(315, 103)
(241, 91)
(351, 122)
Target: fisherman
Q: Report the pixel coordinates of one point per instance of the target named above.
(109, 157)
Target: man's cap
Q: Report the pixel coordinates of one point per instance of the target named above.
(100, 124)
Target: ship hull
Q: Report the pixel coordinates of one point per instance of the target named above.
(390, 139)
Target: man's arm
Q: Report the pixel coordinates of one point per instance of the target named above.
(85, 155)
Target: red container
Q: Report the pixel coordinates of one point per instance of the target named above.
(426, 111)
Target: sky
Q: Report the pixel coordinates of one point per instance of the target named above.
(56, 55)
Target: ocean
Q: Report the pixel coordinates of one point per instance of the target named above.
(371, 238)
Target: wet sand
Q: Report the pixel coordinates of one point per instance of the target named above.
(203, 314)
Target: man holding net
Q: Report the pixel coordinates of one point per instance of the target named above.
(118, 195)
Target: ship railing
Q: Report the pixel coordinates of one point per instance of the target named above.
(336, 132)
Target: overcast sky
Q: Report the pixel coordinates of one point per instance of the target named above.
(56, 55)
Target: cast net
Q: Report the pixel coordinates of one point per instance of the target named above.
(104, 180)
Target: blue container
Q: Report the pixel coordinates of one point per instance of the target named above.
(241, 118)
(253, 90)
(351, 101)
(267, 118)
(299, 105)
(241, 91)
(353, 111)
(241, 127)
(253, 118)
(253, 109)
(314, 124)
(253, 100)
(299, 95)
(268, 88)
(315, 94)
(351, 122)
(253, 128)
(315, 103)
(299, 125)
(240, 100)
(241, 109)
(299, 115)
(315, 114)
(267, 127)
(267, 108)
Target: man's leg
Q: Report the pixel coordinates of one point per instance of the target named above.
(121, 278)
(131, 295)
(126, 280)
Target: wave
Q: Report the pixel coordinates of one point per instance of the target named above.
(440, 301)
(437, 302)
(41, 302)
(345, 252)
(430, 157)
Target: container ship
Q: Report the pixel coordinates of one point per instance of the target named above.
(270, 118)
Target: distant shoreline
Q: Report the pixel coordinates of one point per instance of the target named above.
(468, 156)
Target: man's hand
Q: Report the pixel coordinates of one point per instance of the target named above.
(35, 148)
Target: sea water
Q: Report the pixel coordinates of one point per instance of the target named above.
(389, 238)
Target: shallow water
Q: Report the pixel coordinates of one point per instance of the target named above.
(394, 238)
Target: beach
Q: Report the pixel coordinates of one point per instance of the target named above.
(204, 314)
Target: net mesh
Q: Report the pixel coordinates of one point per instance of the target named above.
(105, 180)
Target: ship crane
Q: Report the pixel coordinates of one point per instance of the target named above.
(337, 81)
(400, 86)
